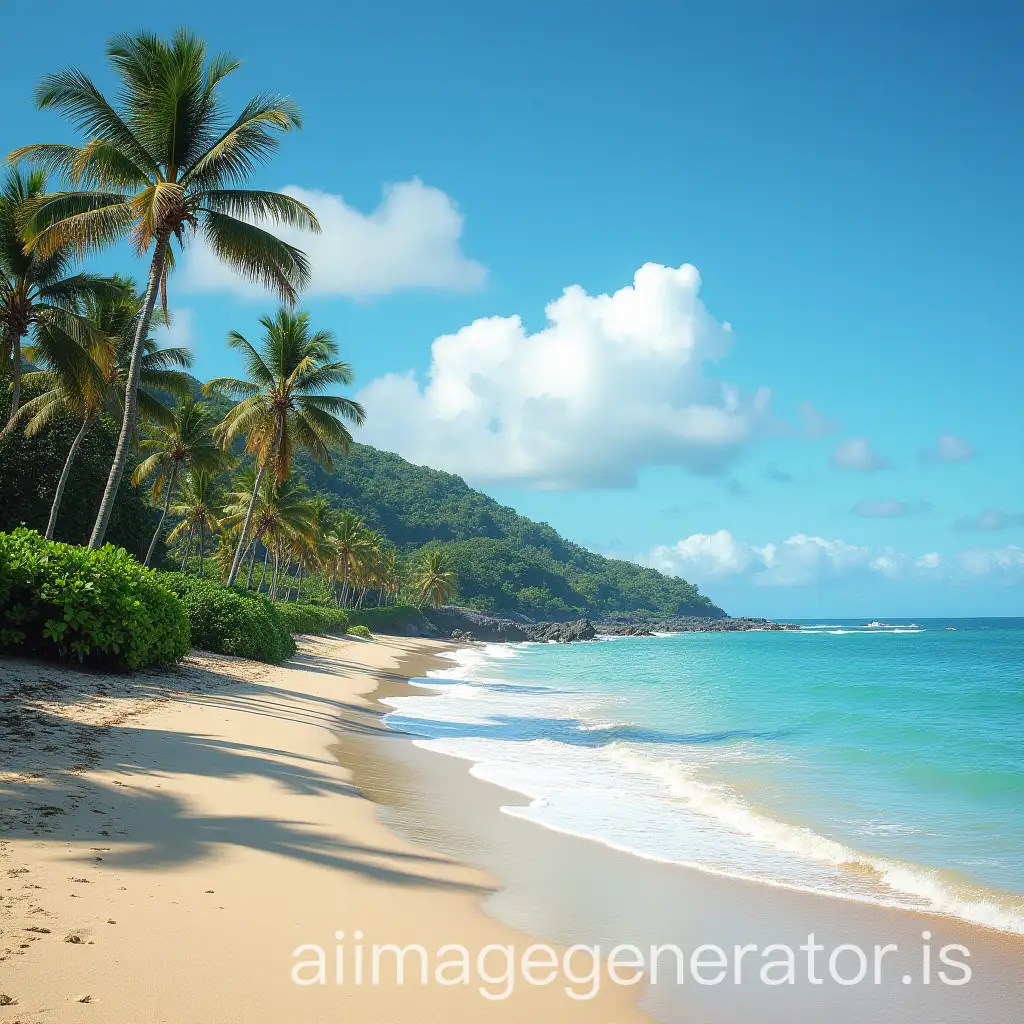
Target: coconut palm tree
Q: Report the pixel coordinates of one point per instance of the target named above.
(348, 541)
(39, 297)
(199, 510)
(435, 577)
(158, 166)
(184, 443)
(85, 392)
(282, 407)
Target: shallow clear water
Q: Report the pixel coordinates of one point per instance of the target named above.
(882, 763)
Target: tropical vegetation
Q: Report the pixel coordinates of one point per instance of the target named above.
(236, 488)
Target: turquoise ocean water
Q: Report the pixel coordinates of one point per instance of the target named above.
(881, 763)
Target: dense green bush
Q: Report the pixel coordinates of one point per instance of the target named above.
(388, 618)
(318, 620)
(362, 631)
(231, 621)
(101, 607)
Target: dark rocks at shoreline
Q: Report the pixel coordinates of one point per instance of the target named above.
(465, 624)
(562, 632)
(623, 626)
(624, 630)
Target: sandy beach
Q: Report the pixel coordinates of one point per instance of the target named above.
(168, 840)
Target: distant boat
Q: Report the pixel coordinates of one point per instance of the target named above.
(876, 625)
(952, 629)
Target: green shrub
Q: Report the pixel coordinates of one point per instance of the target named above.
(315, 619)
(101, 607)
(388, 618)
(359, 631)
(231, 621)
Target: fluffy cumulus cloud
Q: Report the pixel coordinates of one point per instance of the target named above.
(609, 384)
(951, 449)
(411, 241)
(801, 560)
(856, 454)
(1002, 565)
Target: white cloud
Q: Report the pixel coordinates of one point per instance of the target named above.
(1003, 564)
(856, 454)
(610, 384)
(801, 560)
(704, 555)
(990, 520)
(890, 509)
(951, 449)
(410, 241)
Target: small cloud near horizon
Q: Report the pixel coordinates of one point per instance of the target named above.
(949, 449)
(855, 454)
(990, 520)
(890, 509)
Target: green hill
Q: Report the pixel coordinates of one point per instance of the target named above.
(507, 563)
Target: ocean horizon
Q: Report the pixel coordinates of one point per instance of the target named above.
(877, 761)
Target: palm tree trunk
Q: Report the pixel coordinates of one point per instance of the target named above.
(343, 600)
(252, 562)
(186, 546)
(163, 514)
(287, 566)
(263, 575)
(245, 525)
(15, 384)
(64, 474)
(202, 545)
(156, 272)
(298, 588)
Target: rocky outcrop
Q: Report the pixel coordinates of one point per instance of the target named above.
(562, 632)
(624, 630)
(467, 624)
(627, 625)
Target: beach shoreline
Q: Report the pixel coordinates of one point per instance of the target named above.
(573, 889)
(169, 841)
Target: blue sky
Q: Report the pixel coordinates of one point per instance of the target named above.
(845, 177)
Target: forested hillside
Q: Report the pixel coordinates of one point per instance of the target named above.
(506, 562)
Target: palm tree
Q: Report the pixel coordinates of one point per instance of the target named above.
(282, 514)
(38, 295)
(435, 577)
(184, 443)
(348, 541)
(161, 165)
(282, 408)
(199, 510)
(86, 392)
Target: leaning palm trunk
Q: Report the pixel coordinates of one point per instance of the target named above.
(202, 545)
(252, 563)
(186, 548)
(263, 575)
(163, 514)
(124, 441)
(64, 474)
